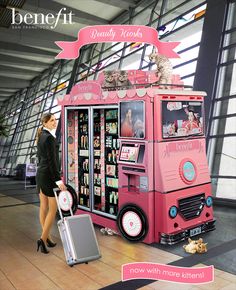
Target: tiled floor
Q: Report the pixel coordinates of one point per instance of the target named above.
(21, 267)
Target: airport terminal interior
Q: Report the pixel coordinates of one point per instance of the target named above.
(31, 83)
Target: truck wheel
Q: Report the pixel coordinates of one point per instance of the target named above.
(132, 223)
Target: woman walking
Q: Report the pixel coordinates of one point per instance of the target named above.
(47, 178)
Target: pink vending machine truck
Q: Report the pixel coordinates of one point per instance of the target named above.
(135, 155)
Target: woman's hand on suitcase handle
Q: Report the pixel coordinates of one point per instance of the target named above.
(62, 187)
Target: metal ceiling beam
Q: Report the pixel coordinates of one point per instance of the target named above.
(2, 92)
(7, 82)
(17, 61)
(125, 15)
(4, 97)
(5, 94)
(15, 75)
(25, 50)
(12, 91)
(14, 70)
(123, 4)
(45, 6)
(33, 37)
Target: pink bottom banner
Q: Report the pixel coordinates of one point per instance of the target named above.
(169, 273)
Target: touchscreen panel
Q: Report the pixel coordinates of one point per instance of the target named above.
(129, 153)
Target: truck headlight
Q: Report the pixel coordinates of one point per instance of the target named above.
(173, 211)
(209, 201)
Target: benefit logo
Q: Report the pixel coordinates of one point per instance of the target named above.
(48, 20)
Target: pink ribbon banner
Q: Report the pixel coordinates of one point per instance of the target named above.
(154, 271)
(115, 33)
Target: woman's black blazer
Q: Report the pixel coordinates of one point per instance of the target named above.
(48, 167)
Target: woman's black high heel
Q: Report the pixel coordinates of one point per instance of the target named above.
(50, 244)
(41, 245)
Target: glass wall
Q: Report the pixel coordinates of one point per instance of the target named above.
(175, 21)
(182, 22)
(23, 113)
(222, 145)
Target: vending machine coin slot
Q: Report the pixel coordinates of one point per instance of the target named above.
(133, 169)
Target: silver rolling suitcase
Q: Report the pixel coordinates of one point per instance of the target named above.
(77, 235)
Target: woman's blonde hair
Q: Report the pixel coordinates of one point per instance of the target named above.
(44, 119)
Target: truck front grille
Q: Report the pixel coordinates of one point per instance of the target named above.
(191, 207)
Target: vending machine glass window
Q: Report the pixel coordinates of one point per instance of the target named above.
(98, 116)
(83, 158)
(182, 118)
(72, 147)
(106, 147)
(111, 165)
(92, 148)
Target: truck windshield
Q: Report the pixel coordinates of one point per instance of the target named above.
(184, 118)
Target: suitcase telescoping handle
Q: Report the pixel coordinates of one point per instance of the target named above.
(56, 190)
